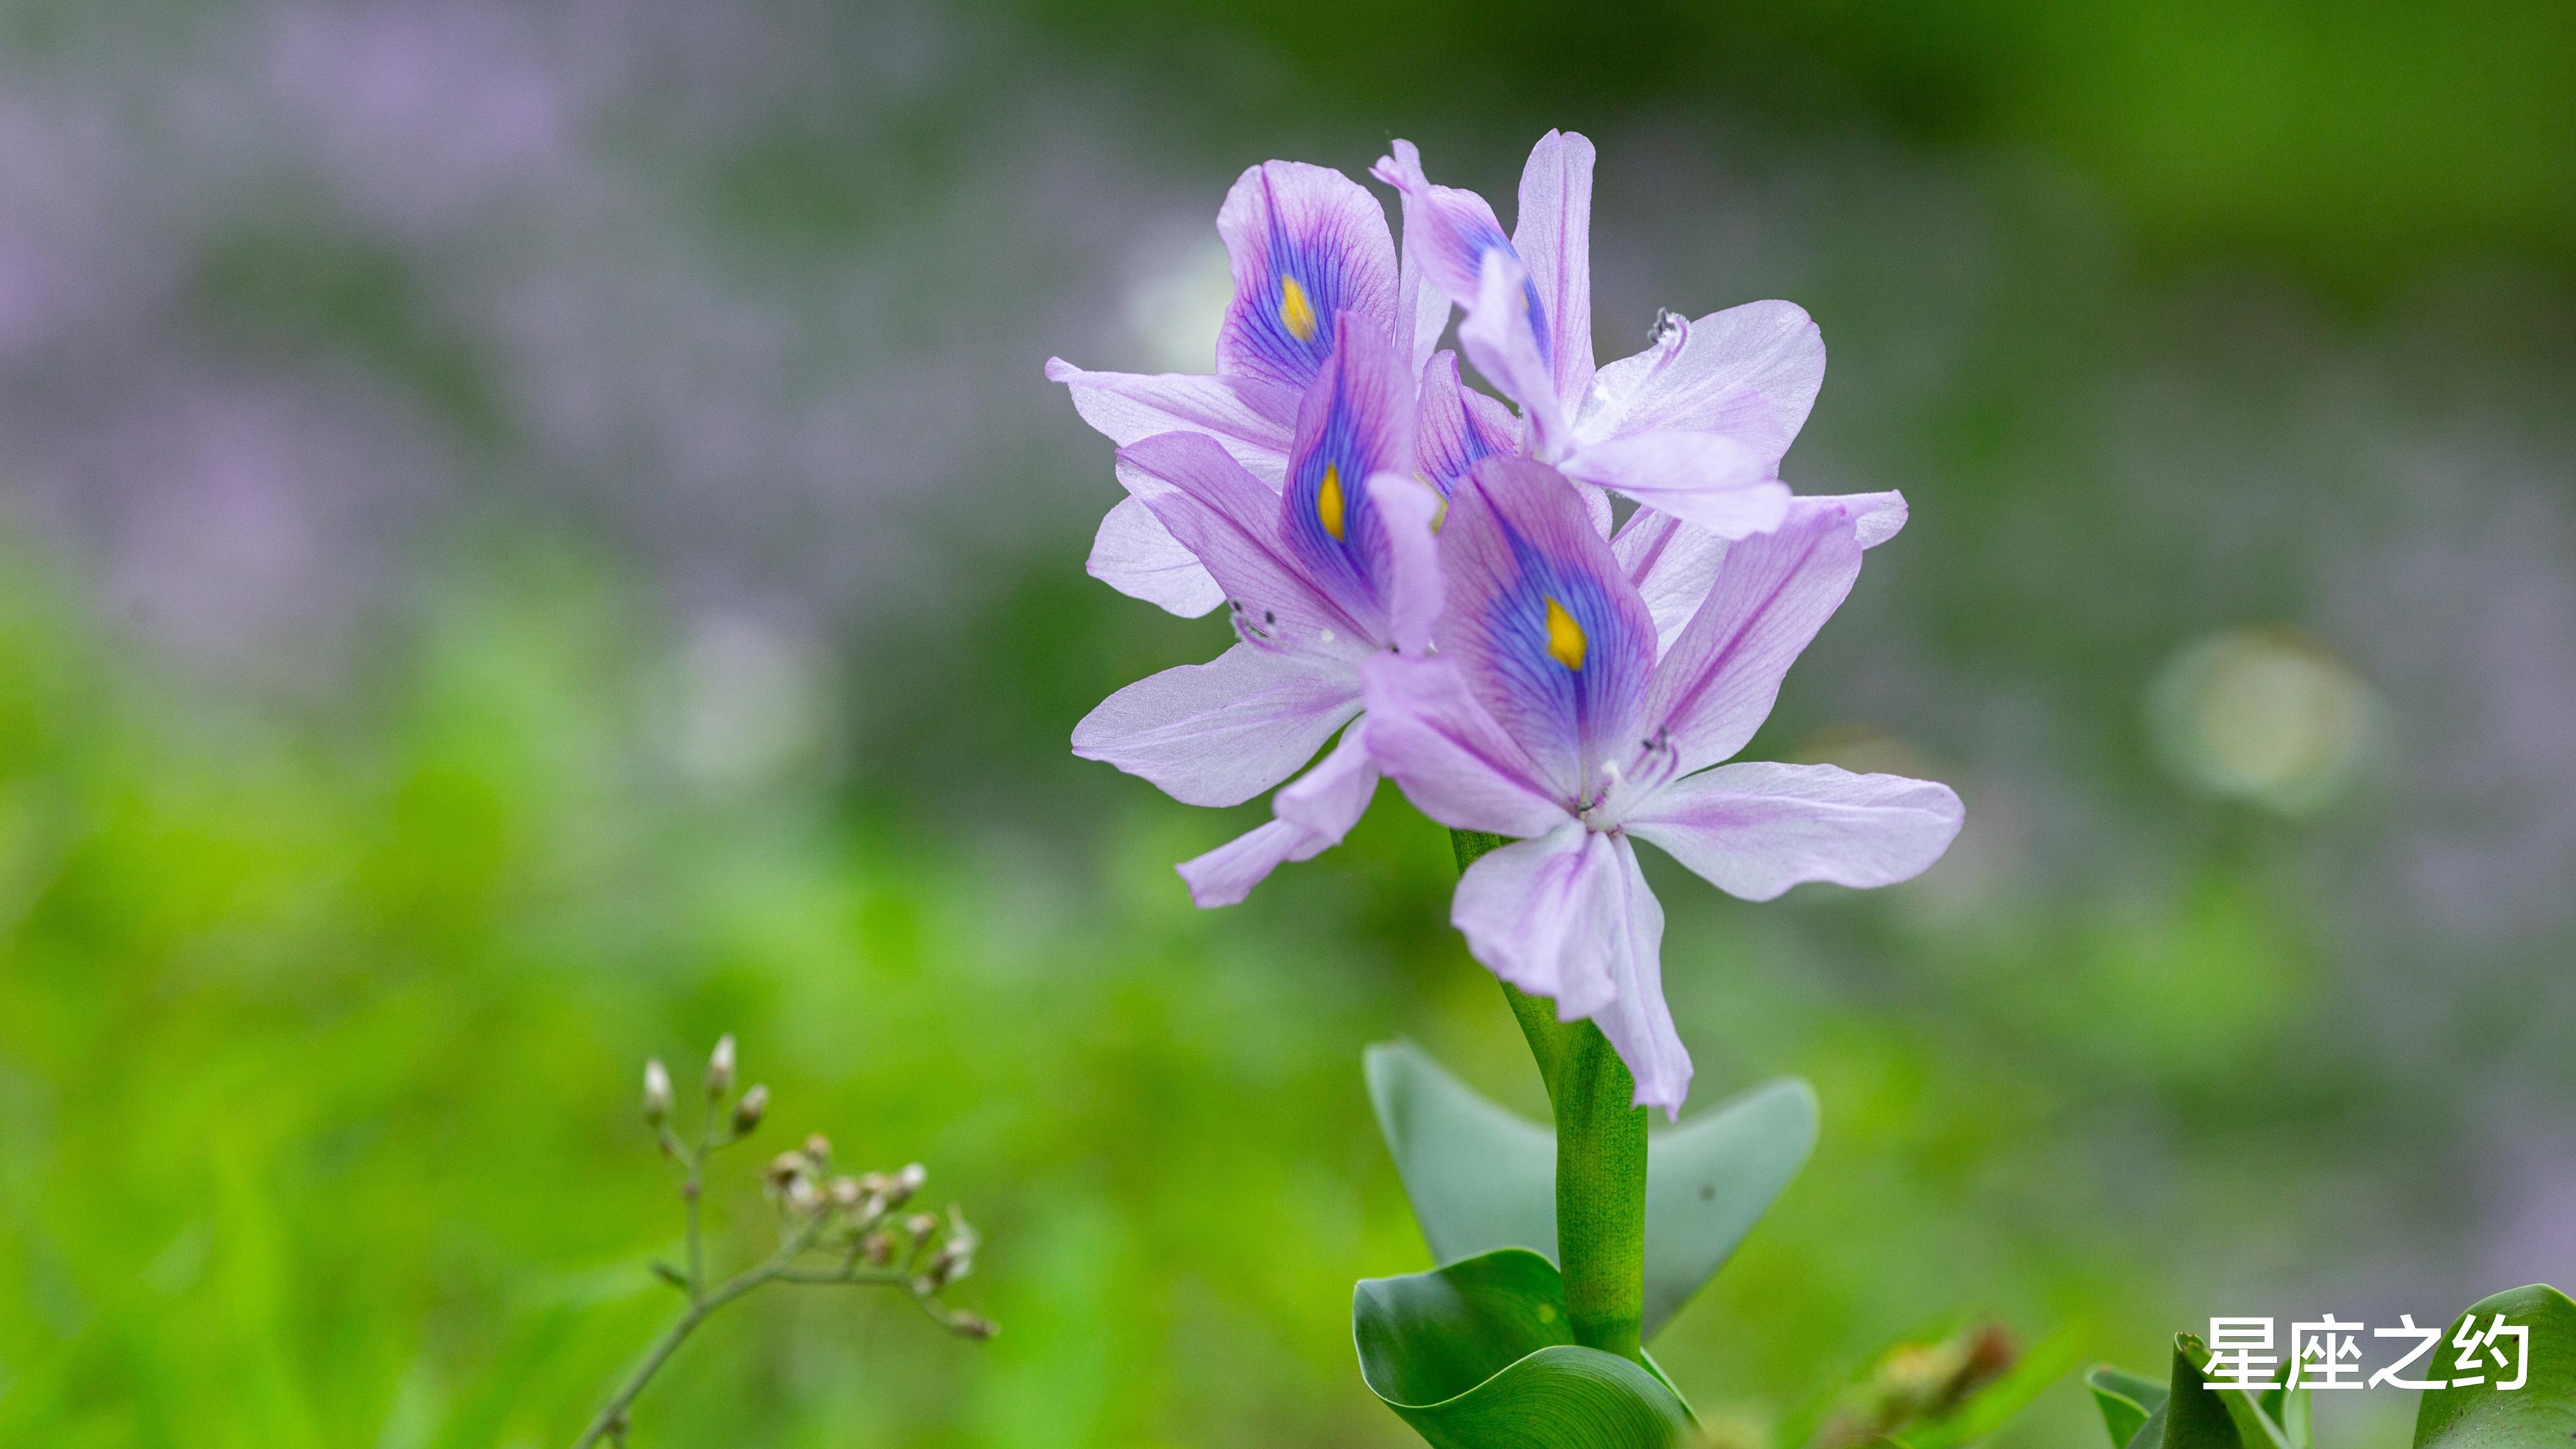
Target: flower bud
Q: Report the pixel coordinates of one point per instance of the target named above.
(818, 1149)
(746, 1113)
(846, 1193)
(657, 1093)
(802, 1195)
(970, 1326)
(919, 1227)
(720, 1067)
(904, 1184)
(878, 1248)
(783, 1169)
(953, 1261)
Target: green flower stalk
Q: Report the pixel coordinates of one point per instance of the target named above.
(1600, 1162)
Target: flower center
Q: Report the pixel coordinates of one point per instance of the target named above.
(1565, 639)
(1295, 312)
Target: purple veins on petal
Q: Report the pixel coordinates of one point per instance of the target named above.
(1555, 641)
(1458, 427)
(1355, 422)
(1449, 231)
(1308, 245)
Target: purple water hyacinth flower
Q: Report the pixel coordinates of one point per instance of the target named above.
(1308, 245)
(1693, 426)
(1332, 568)
(1580, 691)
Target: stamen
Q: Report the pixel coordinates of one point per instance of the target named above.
(1295, 312)
(1566, 643)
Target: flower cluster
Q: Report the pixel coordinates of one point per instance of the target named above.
(834, 1230)
(1442, 579)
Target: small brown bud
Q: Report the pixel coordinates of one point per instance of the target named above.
(747, 1112)
(818, 1149)
(720, 1067)
(878, 1248)
(919, 1227)
(657, 1093)
(967, 1325)
(846, 1193)
(783, 1169)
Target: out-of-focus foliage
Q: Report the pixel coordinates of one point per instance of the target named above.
(535, 535)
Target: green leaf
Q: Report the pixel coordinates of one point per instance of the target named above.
(1482, 1177)
(1479, 1355)
(2195, 1415)
(2125, 1399)
(2541, 1412)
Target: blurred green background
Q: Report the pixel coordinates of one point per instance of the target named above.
(533, 537)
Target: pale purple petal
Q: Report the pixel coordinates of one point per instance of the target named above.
(1538, 914)
(1754, 830)
(1750, 372)
(1596, 506)
(1673, 564)
(1877, 517)
(1308, 244)
(1230, 521)
(1447, 754)
(1252, 419)
(1421, 313)
(1637, 1021)
(1705, 479)
(1222, 732)
(1553, 234)
(1312, 816)
(1569, 916)
(1716, 684)
(1407, 511)
(1458, 427)
(1329, 799)
(1549, 635)
(1498, 336)
(1447, 231)
(1225, 875)
(1356, 421)
(1136, 555)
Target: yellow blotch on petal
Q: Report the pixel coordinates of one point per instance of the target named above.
(1328, 498)
(1565, 640)
(1297, 314)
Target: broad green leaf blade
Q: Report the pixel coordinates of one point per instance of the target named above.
(1711, 1179)
(2125, 1400)
(2481, 1416)
(1481, 1177)
(1478, 1355)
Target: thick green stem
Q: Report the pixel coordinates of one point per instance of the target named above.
(1600, 1162)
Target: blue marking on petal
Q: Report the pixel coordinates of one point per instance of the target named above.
(1480, 240)
(1344, 559)
(1305, 283)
